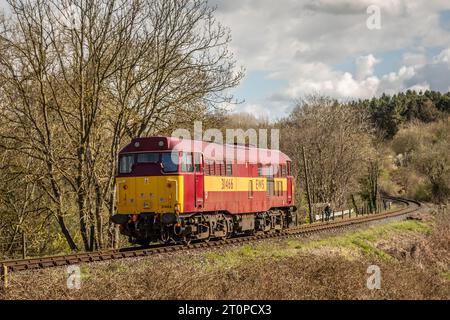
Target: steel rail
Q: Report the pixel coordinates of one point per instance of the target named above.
(304, 230)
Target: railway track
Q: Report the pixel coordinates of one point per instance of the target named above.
(304, 230)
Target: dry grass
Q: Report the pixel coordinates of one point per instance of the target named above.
(413, 257)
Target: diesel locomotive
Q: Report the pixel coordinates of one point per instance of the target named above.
(175, 190)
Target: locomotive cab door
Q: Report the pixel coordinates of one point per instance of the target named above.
(289, 190)
(289, 183)
(199, 178)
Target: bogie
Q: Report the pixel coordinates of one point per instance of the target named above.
(206, 227)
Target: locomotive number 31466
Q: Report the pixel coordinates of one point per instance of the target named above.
(227, 184)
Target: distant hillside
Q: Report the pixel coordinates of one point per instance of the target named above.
(388, 113)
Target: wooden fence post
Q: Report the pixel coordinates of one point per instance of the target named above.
(4, 276)
(308, 192)
(24, 246)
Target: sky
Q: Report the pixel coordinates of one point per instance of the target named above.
(292, 48)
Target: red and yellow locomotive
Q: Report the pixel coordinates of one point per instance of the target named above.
(181, 190)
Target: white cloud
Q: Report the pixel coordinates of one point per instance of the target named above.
(443, 57)
(255, 109)
(365, 66)
(420, 87)
(304, 42)
(320, 78)
(395, 81)
(323, 79)
(414, 59)
(270, 35)
(435, 74)
(258, 110)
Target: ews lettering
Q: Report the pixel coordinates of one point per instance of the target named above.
(260, 185)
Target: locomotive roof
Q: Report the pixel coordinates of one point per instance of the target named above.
(212, 151)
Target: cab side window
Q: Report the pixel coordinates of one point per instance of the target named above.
(198, 162)
(269, 172)
(186, 162)
(283, 170)
(229, 168)
(126, 163)
(209, 167)
(220, 168)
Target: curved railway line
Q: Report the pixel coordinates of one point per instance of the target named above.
(408, 207)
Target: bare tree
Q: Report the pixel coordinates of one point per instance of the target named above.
(337, 141)
(83, 77)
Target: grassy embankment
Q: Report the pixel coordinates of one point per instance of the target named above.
(414, 258)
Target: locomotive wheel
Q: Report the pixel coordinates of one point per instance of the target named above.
(280, 230)
(280, 221)
(222, 230)
(207, 239)
(186, 241)
(227, 230)
(165, 236)
(268, 226)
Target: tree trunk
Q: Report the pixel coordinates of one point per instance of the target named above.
(66, 233)
(99, 214)
(81, 201)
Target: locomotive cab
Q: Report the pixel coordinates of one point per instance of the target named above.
(150, 187)
(148, 183)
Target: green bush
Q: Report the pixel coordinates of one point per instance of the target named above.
(422, 192)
